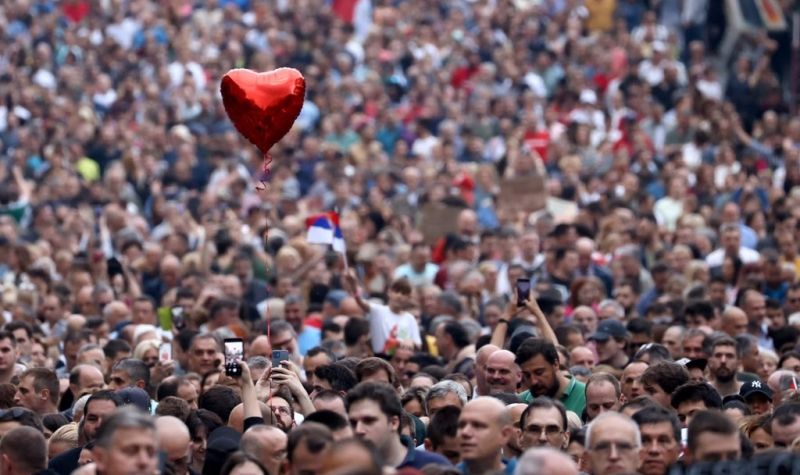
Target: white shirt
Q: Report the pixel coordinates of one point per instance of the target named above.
(746, 255)
(385, 324)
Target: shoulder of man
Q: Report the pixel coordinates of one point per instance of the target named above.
(66, 463)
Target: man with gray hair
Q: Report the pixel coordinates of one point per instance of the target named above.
(445, 393)
(613, 441)
(127, 443)
(545, 461)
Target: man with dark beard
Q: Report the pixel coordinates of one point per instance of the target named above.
(538, 360)
(723, 364)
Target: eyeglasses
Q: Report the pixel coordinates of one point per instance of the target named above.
(281, 410)
(549, 430)
(606, 447)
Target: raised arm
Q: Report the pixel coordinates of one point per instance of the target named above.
(351, 287)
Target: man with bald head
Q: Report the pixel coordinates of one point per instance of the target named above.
(502, 373)
(734, 321)
(582, 356)
(481, 387)
(116, 312)
(174, 440)
(545, 460)
(85, 379)
(484, 428)
(260, 346)
(267, 444)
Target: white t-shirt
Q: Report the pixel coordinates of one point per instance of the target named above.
(385, 324)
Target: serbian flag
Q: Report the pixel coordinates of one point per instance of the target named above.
(324, 229)
(320, 229)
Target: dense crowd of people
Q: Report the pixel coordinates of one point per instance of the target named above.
(571, 235)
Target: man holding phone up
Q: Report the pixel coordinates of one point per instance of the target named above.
(389, 324)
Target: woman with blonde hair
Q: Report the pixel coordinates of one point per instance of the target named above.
(147, 351)
(63, 439)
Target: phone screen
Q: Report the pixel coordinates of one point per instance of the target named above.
(278, 356)
(165, 352)
(523, 290)
(234, 352)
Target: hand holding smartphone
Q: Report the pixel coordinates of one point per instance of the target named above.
(523, 291)
(278, 356)
(234, 352)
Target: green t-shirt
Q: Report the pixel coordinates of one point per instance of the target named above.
(574, 398)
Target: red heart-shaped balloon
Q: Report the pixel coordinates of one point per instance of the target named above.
(263, 106)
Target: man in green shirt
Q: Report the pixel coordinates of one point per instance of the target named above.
(538, 360)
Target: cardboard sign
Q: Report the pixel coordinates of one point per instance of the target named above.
(525, 193)
(436, 220)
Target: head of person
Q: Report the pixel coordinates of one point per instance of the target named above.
(544, 424)
(631, 380)
(758, 396)
(8, 352)
(23, 451)
(786, 424)
(603, 393)
(352, 456)
(484, 428)
(758, 430)
(399, 294)
(336, 377)
(98, 408)
(502, 373)
(611, 339)
(375, 369)
(546, 460)
(15, 417)
(241, 463)
(613, 441)
(175, 441)
(734, 321)
(582, 356)
(451, 337)
(661, 439)
(306, 448)
(283, 336)
(334, 421)
(538, 361)
(694, 343)
(661, 379)
(127, 442)
(130, 373)
(204, 353)
(267, 444)
(691, 398)
(38, 390)
(723, 362)
(445, 393)
(374, 411)
(442, 434)
(712, 437)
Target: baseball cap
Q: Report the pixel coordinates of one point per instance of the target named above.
(755, 387)
(699, 363)
(136, 397)
(609, 328)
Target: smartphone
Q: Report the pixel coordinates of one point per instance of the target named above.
(234, 351)
(278, 356)
(165, 352)
(178, 320)
(523, 291)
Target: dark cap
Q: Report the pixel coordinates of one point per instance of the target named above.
(608, 329)
(136, 397)
(698, 363)
(755, 387)
(222, 442)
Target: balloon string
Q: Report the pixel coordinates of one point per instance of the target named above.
(266, 173)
